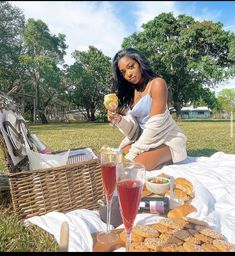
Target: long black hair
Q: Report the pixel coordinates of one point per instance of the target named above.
(125, 89)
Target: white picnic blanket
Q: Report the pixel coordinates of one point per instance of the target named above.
(213, 179)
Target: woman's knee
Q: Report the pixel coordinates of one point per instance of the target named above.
(155, 159)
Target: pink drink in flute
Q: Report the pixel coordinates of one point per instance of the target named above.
(130, 182)
(109, 179)
(130, 194)
(110, 158)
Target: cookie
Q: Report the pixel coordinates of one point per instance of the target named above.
(193, 240)
(145, 231)
(199, 228)
(189, 226)
(170, 223)
(192, 247)
(223, 245)
(161, 228)
(182, 234)
(203, 238)
(180, 248)
(139, 247)
(212, 233)
(209, 248)
(196, 222)
(170, 248)
(154, 243)
(134, 237)
(180, 222)
(192, 232)
(170, 239)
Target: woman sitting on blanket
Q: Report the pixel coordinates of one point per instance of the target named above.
(151, 135)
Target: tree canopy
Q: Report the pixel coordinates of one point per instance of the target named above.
(226, 99)
(12, 23)
(91, 76)
(190, 55)
(43, 53)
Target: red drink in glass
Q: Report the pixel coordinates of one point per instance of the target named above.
(109, 178)
(109, 159)
(129, 192)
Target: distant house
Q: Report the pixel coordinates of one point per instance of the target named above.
(199, 112)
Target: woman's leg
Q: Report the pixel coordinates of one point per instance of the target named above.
(154, 158)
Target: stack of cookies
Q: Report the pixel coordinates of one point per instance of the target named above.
(177, 235)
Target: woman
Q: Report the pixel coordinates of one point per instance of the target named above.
(151, 135)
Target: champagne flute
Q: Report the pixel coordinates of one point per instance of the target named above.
(130, 182)
(111, 103)
(110, 158)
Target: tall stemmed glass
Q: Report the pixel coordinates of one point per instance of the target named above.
(110, 158)
(130, 182)
(111, 103)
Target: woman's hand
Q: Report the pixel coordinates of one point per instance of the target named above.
(114, 117)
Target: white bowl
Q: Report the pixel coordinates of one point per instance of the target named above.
(159, 189)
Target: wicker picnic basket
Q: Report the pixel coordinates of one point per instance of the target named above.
(65, 188)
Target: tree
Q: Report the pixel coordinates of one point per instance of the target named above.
(43, 53)
(207, 98)
(91, 76)
(12, 23)
(226, 99)
(191, 56)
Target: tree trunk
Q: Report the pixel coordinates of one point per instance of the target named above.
(92, 116)
(88, 114)
(178, 110)
(42, 117)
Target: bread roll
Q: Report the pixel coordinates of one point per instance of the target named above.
(181, 211)
(178, 193)
(184, 184)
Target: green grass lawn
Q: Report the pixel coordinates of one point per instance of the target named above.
(205, 137)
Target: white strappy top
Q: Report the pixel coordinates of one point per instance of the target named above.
(142, 109)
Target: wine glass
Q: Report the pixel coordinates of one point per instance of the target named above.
(111, 103)
(130, 182)
(110, 158)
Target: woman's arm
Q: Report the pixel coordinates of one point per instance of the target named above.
(159, 94)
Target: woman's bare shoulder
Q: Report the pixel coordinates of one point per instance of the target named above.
(159, 80)
(158, 85)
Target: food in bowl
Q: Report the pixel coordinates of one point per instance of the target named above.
(158, 185)
(159, 180)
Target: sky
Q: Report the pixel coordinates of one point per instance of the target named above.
(104, 24)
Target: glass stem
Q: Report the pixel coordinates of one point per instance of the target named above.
(128, 241)
(113, 122)
(109, 203)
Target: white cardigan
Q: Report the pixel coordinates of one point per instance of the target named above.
(159, 129)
